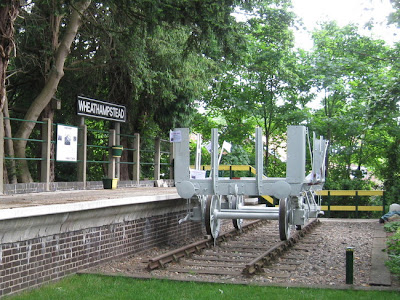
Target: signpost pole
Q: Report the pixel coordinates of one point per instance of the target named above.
(111, 165)
(117, 127)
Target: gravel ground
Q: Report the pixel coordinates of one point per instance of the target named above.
(324, 263)
(321, 264)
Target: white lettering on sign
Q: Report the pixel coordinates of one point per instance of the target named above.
(100, 109)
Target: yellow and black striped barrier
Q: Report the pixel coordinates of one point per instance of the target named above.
(352, 193)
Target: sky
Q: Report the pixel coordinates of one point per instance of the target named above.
(345, 12)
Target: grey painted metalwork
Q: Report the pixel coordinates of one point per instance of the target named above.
(217, 198)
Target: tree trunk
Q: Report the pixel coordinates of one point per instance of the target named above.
(9, 10)
(50, 88)
(9, 147)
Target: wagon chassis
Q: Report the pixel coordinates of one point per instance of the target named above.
(213, 199)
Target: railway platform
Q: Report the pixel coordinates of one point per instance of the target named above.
(80, 196)
(46, 236)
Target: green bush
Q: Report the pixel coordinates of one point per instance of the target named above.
(394, 264)
(393, 247)
(392, 226)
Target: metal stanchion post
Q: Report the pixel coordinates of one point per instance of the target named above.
(349, 265)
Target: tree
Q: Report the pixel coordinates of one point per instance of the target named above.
(117, 45)
(56, 72)
(264, 89)
(388, 134)
(350, 74)
(8, 13)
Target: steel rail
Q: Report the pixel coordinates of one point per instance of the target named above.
(196, 247)
(257, 264)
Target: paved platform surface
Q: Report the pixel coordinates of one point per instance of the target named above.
(380, 274)
(65, 197)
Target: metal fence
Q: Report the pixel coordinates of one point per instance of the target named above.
(147, 158)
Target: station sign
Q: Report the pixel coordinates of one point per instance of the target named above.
(100, 109)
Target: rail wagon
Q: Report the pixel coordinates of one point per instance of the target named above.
(213, 198)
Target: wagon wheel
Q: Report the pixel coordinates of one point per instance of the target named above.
(284, 218)
(237, 201)
(212, 224)
(202, 201)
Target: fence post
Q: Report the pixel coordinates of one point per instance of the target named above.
(357, 202)
(1, 153)
(136, 158)
(383, 203)
(157, 158)
(82, 152)
(111, 159)
(46, 149)
(329, 203)
(171, 160)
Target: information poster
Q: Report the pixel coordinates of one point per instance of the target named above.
(175, 136)
(67, 143)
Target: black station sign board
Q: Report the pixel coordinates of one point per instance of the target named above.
(100, 109)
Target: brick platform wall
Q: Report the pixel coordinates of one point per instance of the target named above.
(30, 263)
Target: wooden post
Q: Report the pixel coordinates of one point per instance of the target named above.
(46, 149)
(157, 158)
(136, 158)
(82, 151)
(329, 204)
(357, 203)
(111, 159)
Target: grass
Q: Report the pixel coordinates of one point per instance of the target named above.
(105, 287)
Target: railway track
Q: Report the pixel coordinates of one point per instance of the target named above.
(234, 253)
